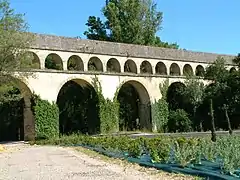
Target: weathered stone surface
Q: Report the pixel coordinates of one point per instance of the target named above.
(50, 42)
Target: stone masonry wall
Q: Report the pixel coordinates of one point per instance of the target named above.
(50, 42)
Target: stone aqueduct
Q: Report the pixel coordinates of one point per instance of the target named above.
(115, 64)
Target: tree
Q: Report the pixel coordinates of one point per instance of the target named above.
(128, 21)
(13, 44)
(194, 92)
(219, 90)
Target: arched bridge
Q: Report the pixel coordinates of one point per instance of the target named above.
(59, 60)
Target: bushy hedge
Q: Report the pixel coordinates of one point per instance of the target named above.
(179, 121)
(46, 118)
(108, 111)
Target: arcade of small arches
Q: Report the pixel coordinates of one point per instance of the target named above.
(155, 67)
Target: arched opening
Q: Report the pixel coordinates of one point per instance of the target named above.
(130, 67)
(135, 107)
(78, 108)
(30, 60)
(95, 64)
(161, 68)
(16, 117)
(146, 68)
(233, 69)
(113, 65)
(53, 61)
(200, 71)
(75, 63)
(175, 70)
(187, 70)
(175, 97)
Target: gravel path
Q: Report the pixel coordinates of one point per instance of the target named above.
(24, 162)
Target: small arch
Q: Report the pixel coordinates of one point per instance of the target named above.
(146, 68)
(233, 69)
(175, 70)
(187, 70)
(135, 106)
(30, 60)
(78, 108)
(53, 61)
(200, 70)
(95, 64)
(75, 63)
(161, 68)
(130, 67)
(113, 65)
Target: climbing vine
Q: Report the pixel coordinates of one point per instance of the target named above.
(46, 118)
(160, 109)
(108, 110)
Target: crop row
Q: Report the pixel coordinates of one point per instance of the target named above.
(183, 151)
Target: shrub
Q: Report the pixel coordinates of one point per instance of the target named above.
(179, 121)
(108, 110)
(46, 118)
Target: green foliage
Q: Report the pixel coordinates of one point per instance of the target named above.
(78, 109)
(182, 151)
(128, 21)
(13, 42)
(179, 121)
(160, 109)
(108, 110)
(46, 118)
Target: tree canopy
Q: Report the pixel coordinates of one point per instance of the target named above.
(13, 42)
(128, 21)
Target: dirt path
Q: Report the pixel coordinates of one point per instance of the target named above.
(24, 162)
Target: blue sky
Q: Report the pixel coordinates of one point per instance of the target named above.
(198, 25)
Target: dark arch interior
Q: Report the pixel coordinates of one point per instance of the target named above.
(95, 64)
(161, 68)
(175, 70)
(175, 98)
(30, 60)
(53, 61)
(199, 71)
(233, 69)
(12, 118)
(75, 63)
(146, 68)
(130, 67)
(78, 108)
(113, 66)
(187, 70)
(16, 116)
(135, 112)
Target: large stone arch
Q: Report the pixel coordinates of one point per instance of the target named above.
(187, 70)
(83, 113)
(30, 60)
(200, 70)
(142, 102)
(146, 67)
(130, 66)
(95, 64)
(175, 70)
(161, 68)
(53, 61)
(113, 65)
(75, 63)
(24, 126)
